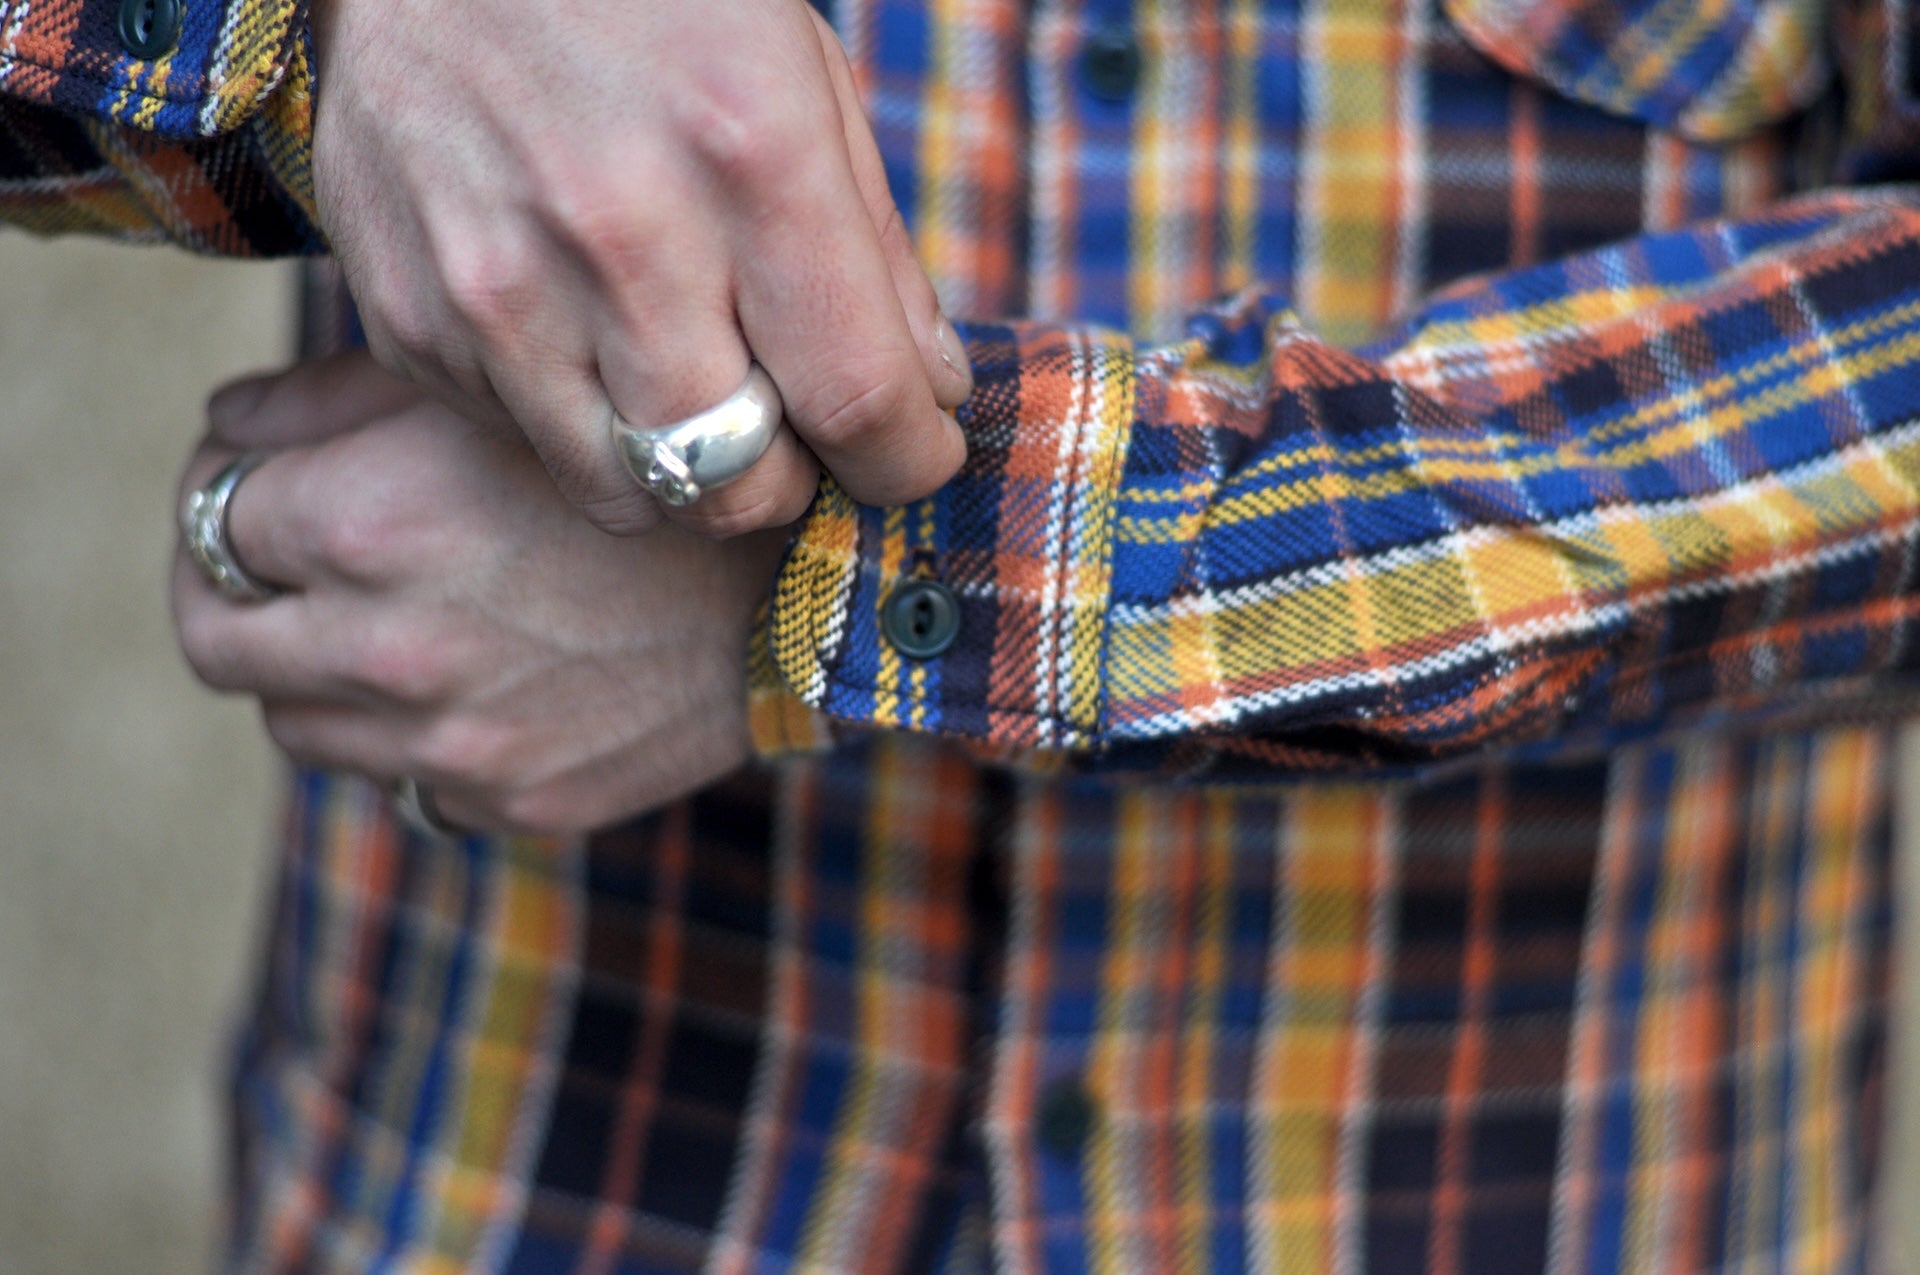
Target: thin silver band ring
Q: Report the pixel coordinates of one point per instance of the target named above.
(204, 524)
(413, 803)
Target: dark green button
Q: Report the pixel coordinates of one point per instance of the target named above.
(921, 619)
(149, 29)
(1110, 64)
(1066, 1118)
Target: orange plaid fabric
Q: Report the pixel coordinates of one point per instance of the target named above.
(1552, 476)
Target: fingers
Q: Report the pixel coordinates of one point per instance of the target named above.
(214, 569)
(241, 648)
(468, 768)
(657, 372)
(278, 529)
(286, 649)
(828, 326)
(592, 792)
(304, 404)
(410, 500)
(821, 286)
(574, 440)
(660, 342)
(821, 305)
(642, 289)
(333, 737)
(269, 413)
(454, 622)
(774, 493)
(387, 746)
(941, 349)
(361, 740)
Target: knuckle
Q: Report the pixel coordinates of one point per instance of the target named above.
(383, 344)
(861, 415)
(748, 138)
(494, 287)
(362, 540)
(790, 503)
(389, 354)
(399, 334)
(607, 226)
(399, 666)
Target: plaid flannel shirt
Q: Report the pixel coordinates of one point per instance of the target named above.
(1552, 476)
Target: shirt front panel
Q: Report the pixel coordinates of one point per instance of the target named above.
(1353, 155)
(888, 1012)
(885, 1012)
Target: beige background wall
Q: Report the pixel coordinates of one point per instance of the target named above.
(133, 805)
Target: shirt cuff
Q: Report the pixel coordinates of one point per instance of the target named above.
(177, 69)
(1019, 544)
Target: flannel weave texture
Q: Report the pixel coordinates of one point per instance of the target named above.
(207, 146)
(887, 1011)
(1679, 471)
(1550, 474)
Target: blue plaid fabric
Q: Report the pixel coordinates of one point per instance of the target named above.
(1550, 474)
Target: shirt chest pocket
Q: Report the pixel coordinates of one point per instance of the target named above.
(1709, 70)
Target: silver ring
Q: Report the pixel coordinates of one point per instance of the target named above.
(681, 462)
(413, 803)
(203, 521)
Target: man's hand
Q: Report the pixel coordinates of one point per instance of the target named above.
(450, 618)
(552, 213)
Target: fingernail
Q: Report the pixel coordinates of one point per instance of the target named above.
(236, 401)
(953, 352)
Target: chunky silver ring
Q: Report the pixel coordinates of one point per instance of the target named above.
(681, 462)
(413, 803)
(203, 521)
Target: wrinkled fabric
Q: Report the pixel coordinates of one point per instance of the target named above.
(1549, 477)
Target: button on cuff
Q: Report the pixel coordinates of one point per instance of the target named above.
(921, 619)
(149, 29)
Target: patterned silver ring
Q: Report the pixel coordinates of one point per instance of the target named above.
(413, 803)
(203, 522)
(681, 462)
